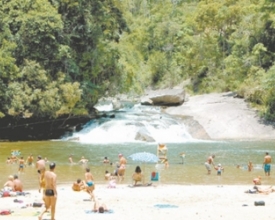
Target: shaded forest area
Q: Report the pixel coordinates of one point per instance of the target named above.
(58, 57)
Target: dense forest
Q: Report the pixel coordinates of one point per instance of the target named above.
(58, 57)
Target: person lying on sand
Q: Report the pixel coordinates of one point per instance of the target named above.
(264, 190)
(100, 208)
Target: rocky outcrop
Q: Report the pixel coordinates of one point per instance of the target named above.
(143, 135)
(223, 116)
(164, 97)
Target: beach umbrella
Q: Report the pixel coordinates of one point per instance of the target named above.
(144, 157)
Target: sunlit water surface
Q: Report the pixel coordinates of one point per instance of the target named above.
(192, 171)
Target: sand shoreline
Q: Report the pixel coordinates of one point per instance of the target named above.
(159, 201)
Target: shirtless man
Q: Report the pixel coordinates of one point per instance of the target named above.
(209, 162)
(18, 186)
(41, 168)
(21, 164)
(89, 180)
(40, 164)
(50, 193)
(30, 160)
(122, 160)
(267, 164)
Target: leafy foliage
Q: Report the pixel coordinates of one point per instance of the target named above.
(60, 56)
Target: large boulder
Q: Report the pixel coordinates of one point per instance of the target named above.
(164, 97)
(144, 135)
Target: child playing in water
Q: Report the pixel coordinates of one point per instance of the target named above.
(219, 169)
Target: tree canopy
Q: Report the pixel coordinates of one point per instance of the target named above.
(60, 56)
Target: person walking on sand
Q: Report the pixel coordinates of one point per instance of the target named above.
(267, 164)
(50, 193)
(89, 180)
(208, 163)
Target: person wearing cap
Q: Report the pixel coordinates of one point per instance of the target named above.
(50, 192)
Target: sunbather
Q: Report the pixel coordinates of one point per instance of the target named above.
(138, 176)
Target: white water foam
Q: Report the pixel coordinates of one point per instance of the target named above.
(140, 123)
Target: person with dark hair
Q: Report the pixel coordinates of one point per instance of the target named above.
(106, 160)
(89, 180)
(18, 186)
(21, 164)
(267, 164)
(78, 185)
(138, 176)
(50, 192)
(100, 208)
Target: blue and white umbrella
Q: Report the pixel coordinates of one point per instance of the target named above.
(144, 157)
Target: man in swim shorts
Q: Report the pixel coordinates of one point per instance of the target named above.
(267, 164)
(40, 164)
(21, 164)
(208, 163)
(89, 180)
(50, 192)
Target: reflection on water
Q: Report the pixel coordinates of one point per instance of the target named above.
(229, 154)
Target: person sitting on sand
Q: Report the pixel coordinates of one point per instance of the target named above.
(18, 186)
(100, 208)
(138, 176)
(257, 180)
(9, 185)
(78, 185)
(107, 175)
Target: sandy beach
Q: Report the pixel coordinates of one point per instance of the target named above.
(159, 201)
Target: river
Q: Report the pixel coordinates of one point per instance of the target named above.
(192, 171)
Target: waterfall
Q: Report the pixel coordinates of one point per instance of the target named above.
(136, 123)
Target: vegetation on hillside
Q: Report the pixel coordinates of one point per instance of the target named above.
(60, 56)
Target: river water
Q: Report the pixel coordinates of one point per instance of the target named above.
(192, 171)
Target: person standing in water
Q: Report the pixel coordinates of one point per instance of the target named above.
(267, 164)
(208, 163)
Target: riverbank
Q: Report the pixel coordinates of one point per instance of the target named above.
(159, 201)
(222, 116)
